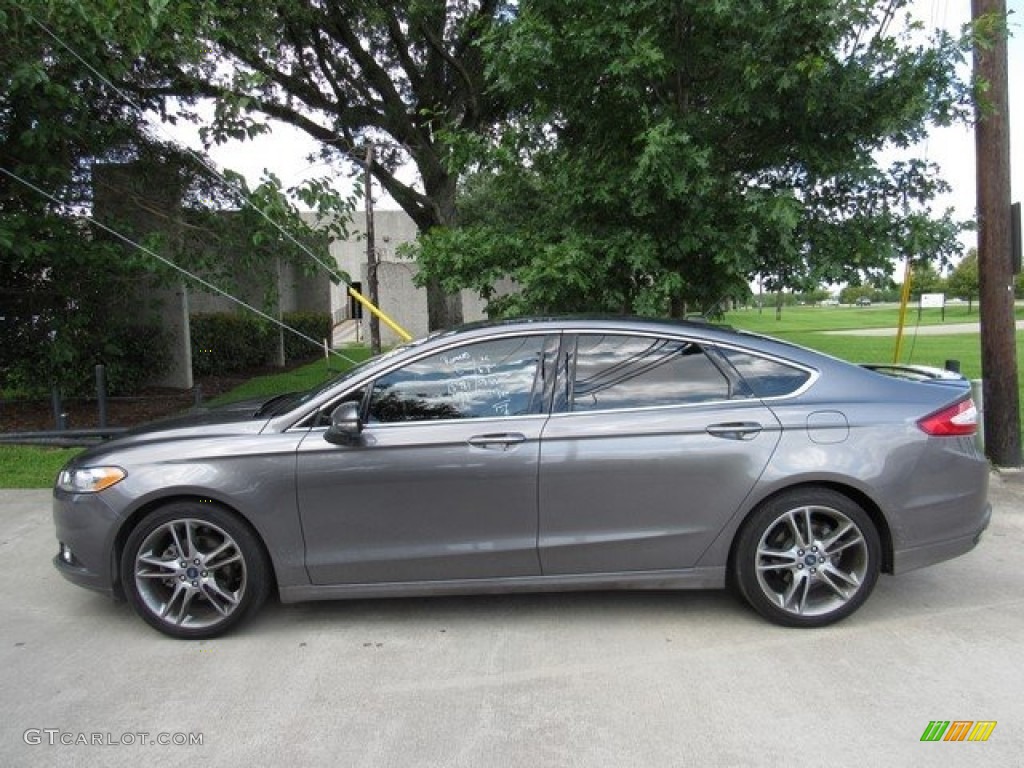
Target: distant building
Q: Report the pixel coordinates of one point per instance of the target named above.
(138, 204)
(399, 297)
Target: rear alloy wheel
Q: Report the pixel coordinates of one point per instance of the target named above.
(193, 570)
(807, 558)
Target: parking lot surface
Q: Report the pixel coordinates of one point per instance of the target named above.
(585, 679)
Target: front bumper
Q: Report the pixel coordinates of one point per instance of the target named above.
(83, 577)
(86, 531)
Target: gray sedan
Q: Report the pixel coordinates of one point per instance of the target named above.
(538, 455)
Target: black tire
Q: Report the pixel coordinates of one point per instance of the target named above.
(223, 577)
(807, 558)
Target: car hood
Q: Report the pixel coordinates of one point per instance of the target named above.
(206, 424)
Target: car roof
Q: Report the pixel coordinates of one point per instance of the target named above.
(700, 329)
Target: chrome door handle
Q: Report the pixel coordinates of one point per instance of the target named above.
(736, 430)
(497, 442)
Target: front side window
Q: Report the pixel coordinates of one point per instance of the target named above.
(614, 371)
(488, 379)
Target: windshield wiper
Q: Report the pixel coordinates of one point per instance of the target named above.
(272, 405)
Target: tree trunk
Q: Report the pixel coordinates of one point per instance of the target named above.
(443, 310)
(677, 308)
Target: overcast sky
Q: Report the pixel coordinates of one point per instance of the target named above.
(285, 150)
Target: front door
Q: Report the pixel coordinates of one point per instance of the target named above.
(442, 484)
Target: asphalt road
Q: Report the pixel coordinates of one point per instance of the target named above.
(599, 679)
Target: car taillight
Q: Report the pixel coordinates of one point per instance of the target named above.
(958, 419)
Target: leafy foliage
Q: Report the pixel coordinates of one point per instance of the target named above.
(64, 285)
(315, 325)
(963, 282)
(226, 342)
(666, 153)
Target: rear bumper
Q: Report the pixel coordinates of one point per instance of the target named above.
(918, 557)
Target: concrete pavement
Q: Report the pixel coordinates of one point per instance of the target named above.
(919, 330)
(601, 679)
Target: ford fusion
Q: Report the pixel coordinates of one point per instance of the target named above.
(538, 455)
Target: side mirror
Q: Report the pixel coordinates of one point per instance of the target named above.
(346, 425)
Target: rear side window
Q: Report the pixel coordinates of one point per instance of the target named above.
(764, 377)
(615, 371)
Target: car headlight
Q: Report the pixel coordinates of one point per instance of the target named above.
(89, 479)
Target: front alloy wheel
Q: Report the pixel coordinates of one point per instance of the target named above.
(193, 571)
(807, 558)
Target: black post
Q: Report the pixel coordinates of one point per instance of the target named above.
(101, 394)
(60, 419)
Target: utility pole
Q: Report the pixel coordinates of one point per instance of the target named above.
(995, 269)
(371, 253)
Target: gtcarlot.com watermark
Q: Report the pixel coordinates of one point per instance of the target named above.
(55, 737)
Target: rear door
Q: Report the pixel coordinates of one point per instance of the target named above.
(651, 448)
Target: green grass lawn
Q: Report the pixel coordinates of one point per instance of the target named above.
(29, 466)
(805, 326)
(295, 380)
(848, 318)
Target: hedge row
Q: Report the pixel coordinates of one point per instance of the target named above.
(33, 359)
(228, 343)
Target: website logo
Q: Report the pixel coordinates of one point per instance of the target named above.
(958, 730)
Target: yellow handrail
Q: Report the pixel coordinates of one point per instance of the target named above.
(402, 333)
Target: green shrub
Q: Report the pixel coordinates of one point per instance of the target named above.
(228, 343)
(134, 356)
(316, 325)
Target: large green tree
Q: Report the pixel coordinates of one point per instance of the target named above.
(664, 153)
(963, 282)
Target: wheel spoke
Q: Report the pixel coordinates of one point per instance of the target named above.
(849, 579)
(224, 545)
(233, 557)
(831, 540)
(802, 535)
(215, 595)
(853, 541)
(193, 551)
(186, 601)
(801, 584)
(182, 551)
(185, 594)
(775, 560)
(155, 562)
